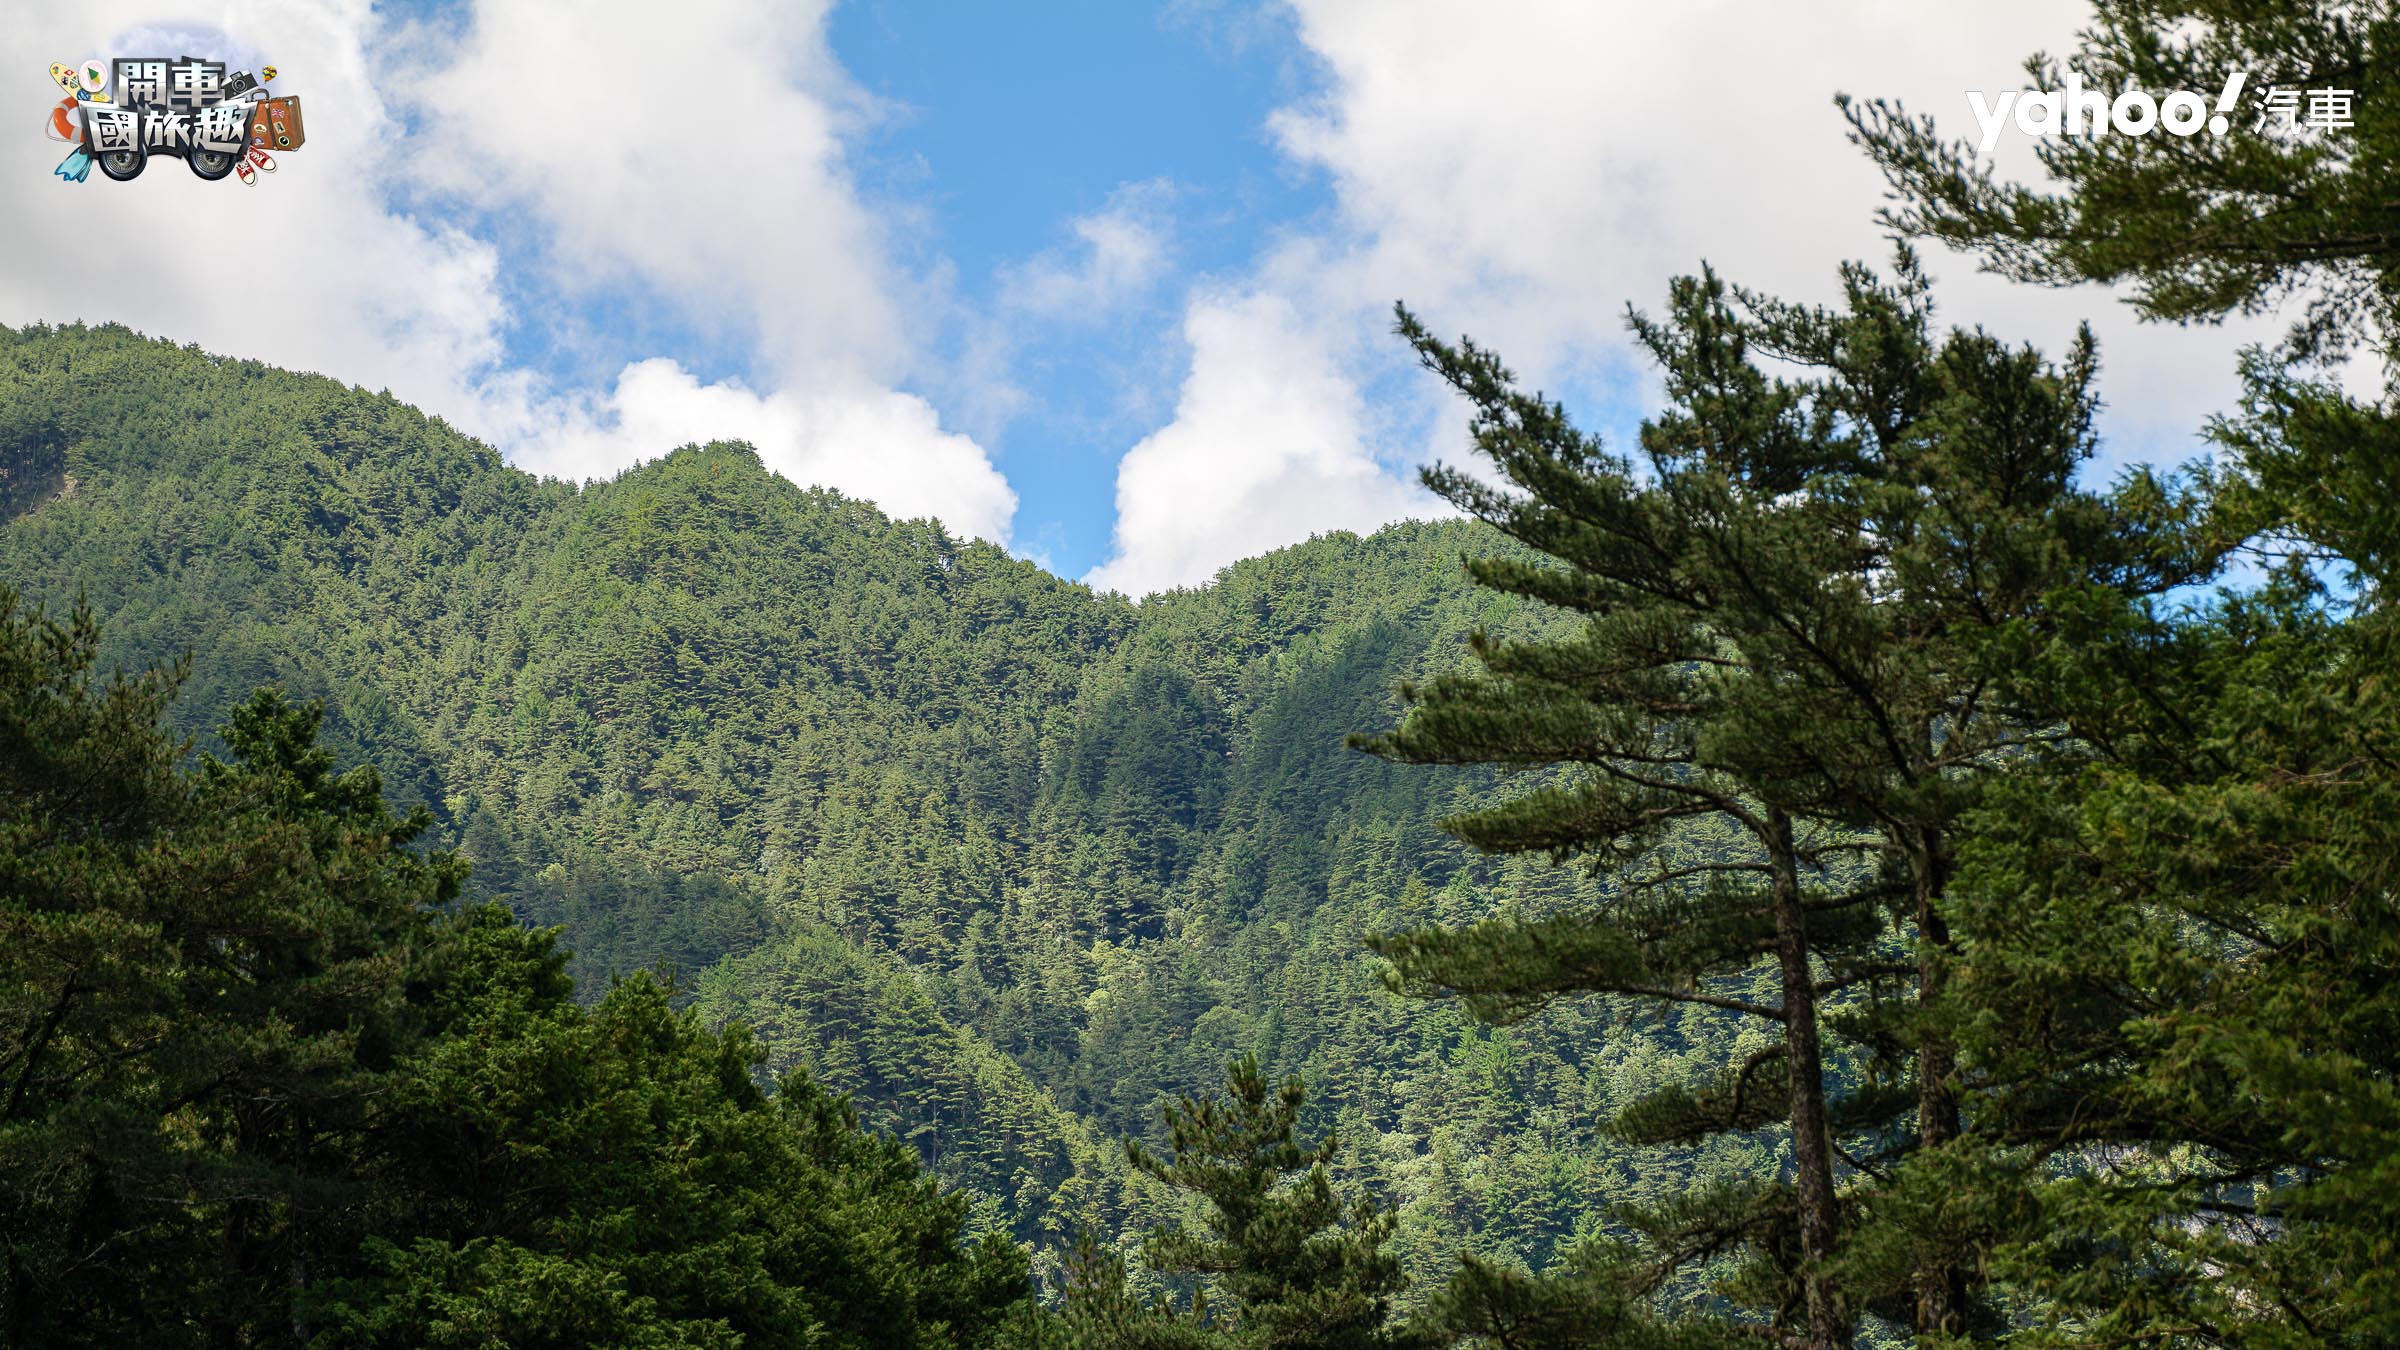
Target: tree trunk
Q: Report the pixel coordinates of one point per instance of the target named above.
(1829, 1324)
(1941, 1285)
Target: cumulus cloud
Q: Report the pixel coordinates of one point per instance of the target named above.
(875, 443)
(1521, 172)
(1266, 448)
(308, 270)
(1533, 171)
(787, 268)
(1524, 171)
(693, 150)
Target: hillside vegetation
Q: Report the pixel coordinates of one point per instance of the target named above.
(1831, 870)
(1013, 864)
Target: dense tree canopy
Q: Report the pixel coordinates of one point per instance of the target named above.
(2177, 956)
(1984, 872)
(265, 1077)
(1012, 865)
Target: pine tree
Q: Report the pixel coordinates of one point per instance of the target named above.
(207, 976)
(265, 1085)
(1286, 1264)
(2178, 938)
(1101, 1311)
(87, 784)
(1595, 1298)
(2203, 225)
(1781, 699)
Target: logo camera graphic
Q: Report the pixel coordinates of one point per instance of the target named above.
(119, 114)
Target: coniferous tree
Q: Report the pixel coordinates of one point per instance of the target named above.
(1782, 698)
(697, 714)
(262, 1076)
(2204, 225)
(555, 1175)
(206, 977)
(1284, 1263)
(1101, 1311)
(86, 978)
(1596, 1297)
(2177, 939)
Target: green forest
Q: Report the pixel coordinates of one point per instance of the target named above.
(1833, 869)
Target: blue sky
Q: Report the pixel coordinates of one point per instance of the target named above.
(1011, 120)
(995, 128)
(1107, 283)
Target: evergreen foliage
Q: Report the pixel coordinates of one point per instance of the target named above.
(268, 1084)
(1010, 864)
(2201, 226)
(1292, 1265)
(1985, 876)
(2175, 961)
(1782, 697)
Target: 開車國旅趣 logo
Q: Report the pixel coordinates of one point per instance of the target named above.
(2073, 109)
(121, 114)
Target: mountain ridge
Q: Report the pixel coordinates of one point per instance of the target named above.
(1012, 861)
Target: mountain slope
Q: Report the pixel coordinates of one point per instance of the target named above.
(1011, 861)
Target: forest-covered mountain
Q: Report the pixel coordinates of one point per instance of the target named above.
(1012, 863)
(1851, 875)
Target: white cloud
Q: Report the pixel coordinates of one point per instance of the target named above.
(875, 443)
(1121, 250)
(1530, 172)
(740, 214)
(692, 149)
(307, 270)
(741, 217)
(1522, 172)
(1265, 449)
